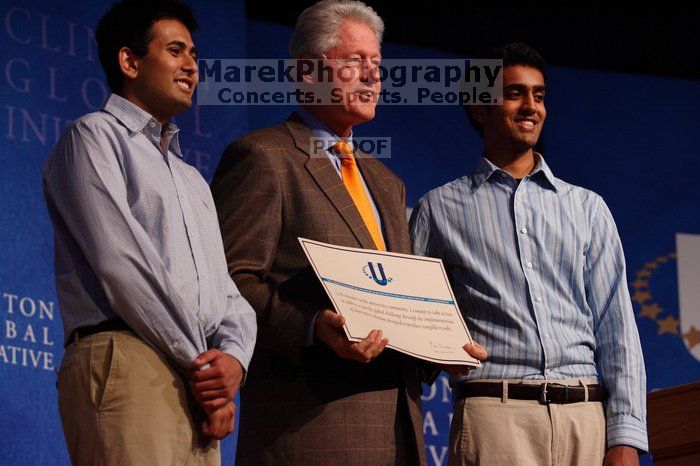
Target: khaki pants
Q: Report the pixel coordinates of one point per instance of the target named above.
(122, 404)
(499, 432)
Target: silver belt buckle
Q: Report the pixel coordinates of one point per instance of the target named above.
(544, 393)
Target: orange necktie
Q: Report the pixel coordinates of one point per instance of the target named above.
(353, 183)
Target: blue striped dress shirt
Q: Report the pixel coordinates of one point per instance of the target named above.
(539, 273)
(136, 235)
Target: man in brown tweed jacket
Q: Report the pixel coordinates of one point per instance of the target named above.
(311, 396)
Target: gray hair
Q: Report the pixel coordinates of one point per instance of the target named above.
(317, 28)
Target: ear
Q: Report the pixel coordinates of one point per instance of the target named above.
(128, 63)
(303, 61)
(479, 113)
(308, 78)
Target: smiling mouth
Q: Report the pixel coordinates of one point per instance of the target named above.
(184, 84)
(365, 96)
(527, 123)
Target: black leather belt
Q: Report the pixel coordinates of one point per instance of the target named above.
(115, 323)
(545, 393)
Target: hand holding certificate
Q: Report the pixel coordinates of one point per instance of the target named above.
(407, 297)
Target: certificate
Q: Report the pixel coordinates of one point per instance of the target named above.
(407, 297)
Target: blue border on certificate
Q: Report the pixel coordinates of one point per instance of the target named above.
(386, 293)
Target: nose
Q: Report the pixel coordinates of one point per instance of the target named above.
(369, 71)
(528, 104)
(189, 64)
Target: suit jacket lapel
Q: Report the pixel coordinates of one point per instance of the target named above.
(383, 200)
(323, 172)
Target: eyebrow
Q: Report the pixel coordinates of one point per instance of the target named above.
(182, 45)
(363, 54)
(522, 87)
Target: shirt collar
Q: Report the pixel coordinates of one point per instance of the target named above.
(323, 134)
(138, 120)
(542, 167)
(485, 169)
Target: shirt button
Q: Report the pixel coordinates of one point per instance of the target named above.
(176, 344)
(523, 230)
(529, 265)
(201, 317)
(503, 175)
(539, 299)
(151, 125)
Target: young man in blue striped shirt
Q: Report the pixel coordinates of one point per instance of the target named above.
(537, 266)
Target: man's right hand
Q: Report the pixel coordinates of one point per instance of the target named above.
(220, 422)
(216, 385)
(475, 350)
(328, 328)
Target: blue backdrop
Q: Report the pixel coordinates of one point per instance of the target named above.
(630, 138)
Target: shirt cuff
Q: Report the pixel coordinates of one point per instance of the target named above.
(232, 349)
(627, 430)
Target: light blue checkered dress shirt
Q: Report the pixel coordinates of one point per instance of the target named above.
(136, 234)
(539, 274)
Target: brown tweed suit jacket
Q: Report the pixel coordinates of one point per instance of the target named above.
(304, 405)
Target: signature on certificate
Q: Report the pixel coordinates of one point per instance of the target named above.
(440, 348)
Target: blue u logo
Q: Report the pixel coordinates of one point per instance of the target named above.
(383, 281)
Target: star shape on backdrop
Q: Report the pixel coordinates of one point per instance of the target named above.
(651, 311)
(639, 283)
(641, 296)
(668, 325)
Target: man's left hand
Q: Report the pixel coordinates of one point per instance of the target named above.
(621, 455)
(220, 423)
(475, 350)
(216, 385)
